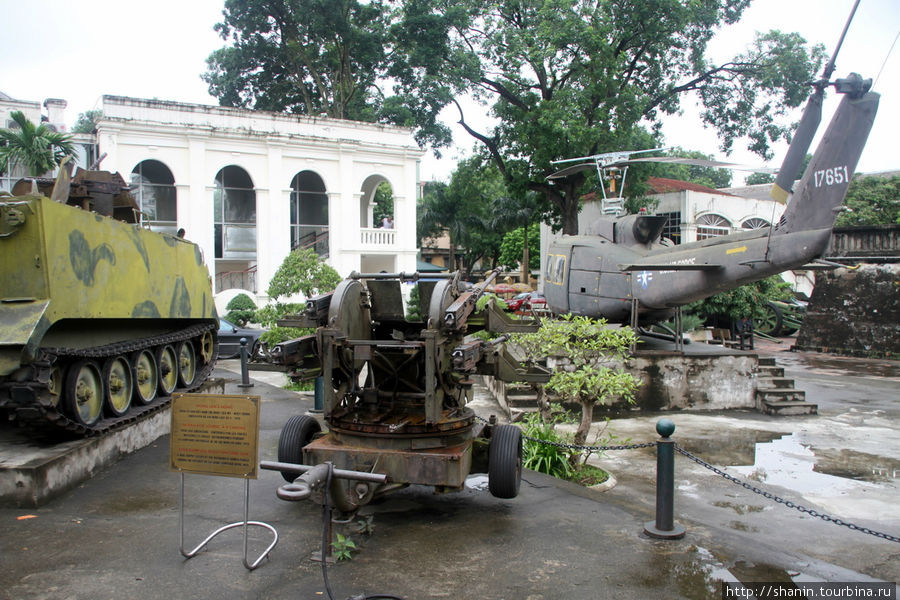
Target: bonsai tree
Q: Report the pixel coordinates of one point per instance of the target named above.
(240, 310)
(301, 272)
(590, 372)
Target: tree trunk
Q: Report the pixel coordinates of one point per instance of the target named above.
(525, 258)
(584, 427)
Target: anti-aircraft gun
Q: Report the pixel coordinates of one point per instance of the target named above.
(395, 391)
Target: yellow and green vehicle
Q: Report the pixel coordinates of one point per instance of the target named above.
(101, 320)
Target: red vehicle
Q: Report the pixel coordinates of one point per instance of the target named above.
(526, 301)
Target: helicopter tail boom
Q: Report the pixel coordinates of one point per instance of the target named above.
(818, 197)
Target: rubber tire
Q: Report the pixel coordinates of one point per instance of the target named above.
(505, 461)
(296, 433)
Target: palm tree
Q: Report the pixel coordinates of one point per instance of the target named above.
(514, 213)
(38, 148)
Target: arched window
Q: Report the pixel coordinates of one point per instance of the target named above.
(309, 213)
(754, 223)
(710, 226)
(154, 189)
(234, 214)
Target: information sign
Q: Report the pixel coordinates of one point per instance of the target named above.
(215, 434)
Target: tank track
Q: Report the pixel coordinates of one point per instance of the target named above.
(42, 415)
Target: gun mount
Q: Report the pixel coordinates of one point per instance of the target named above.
(395, 390)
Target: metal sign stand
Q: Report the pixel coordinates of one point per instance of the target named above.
(245, 524)
(218, 435)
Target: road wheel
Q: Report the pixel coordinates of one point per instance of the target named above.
(119, 384)
(146, 377)
(84, 392)
(167, 361)
(505, 461)
(296, 433)
(187, 363)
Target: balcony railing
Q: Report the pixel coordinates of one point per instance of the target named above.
(379, 238)
(241, 280)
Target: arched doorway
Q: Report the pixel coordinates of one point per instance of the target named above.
(154, 189)
(309, 213)
(234, 214)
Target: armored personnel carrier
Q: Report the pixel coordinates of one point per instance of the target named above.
(101, 320)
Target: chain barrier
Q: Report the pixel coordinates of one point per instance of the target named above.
(718, 471)
(786, 503)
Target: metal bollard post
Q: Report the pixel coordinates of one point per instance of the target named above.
(664, 526)
(319, 398)
(245, 374)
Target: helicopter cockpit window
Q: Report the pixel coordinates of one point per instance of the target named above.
(548, 270)
(560, 269)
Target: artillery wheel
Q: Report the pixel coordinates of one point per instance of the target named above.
(505, 461)
(187, 363)
(118, 383)
(296, 433)
(167, 361)
(442, 297)
(771, 323)
(84, 392)
(146, 376)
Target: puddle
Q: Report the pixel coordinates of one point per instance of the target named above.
(738, 448)
(477, 482)
(860, 466)
(700, 574)
(788, 463)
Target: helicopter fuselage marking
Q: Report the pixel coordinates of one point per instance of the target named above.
(833, 176)
(737, 250)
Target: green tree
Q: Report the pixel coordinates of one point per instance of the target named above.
(36, 147)
(87, 121)
(240, 309)
(384, 203)
(462, 209)
(871, 200)
(513, 251)
(522, 214)
(745, 301)
(592, 373)
(573, 78)
(316, 57)
(302, 272)
(759, 178)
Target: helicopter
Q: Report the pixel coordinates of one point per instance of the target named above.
(626, 272)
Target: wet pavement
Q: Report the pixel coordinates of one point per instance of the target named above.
(117, 535)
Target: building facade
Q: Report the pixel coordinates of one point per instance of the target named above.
(249, 186)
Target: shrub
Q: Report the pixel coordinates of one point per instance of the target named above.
(240, 310)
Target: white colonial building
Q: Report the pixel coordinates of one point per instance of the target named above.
(250, 186)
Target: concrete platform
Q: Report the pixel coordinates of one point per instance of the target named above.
(117, 534)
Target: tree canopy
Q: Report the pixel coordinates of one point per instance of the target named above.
(571, 78)
(562, 78)
(871, 200)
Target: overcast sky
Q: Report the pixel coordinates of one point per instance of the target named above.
(79, 50)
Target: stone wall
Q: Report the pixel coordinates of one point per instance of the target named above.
(671, 381)
(855, 312)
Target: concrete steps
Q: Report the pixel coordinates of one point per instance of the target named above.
(775, 393)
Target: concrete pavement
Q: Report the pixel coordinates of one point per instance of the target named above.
(117, 535)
